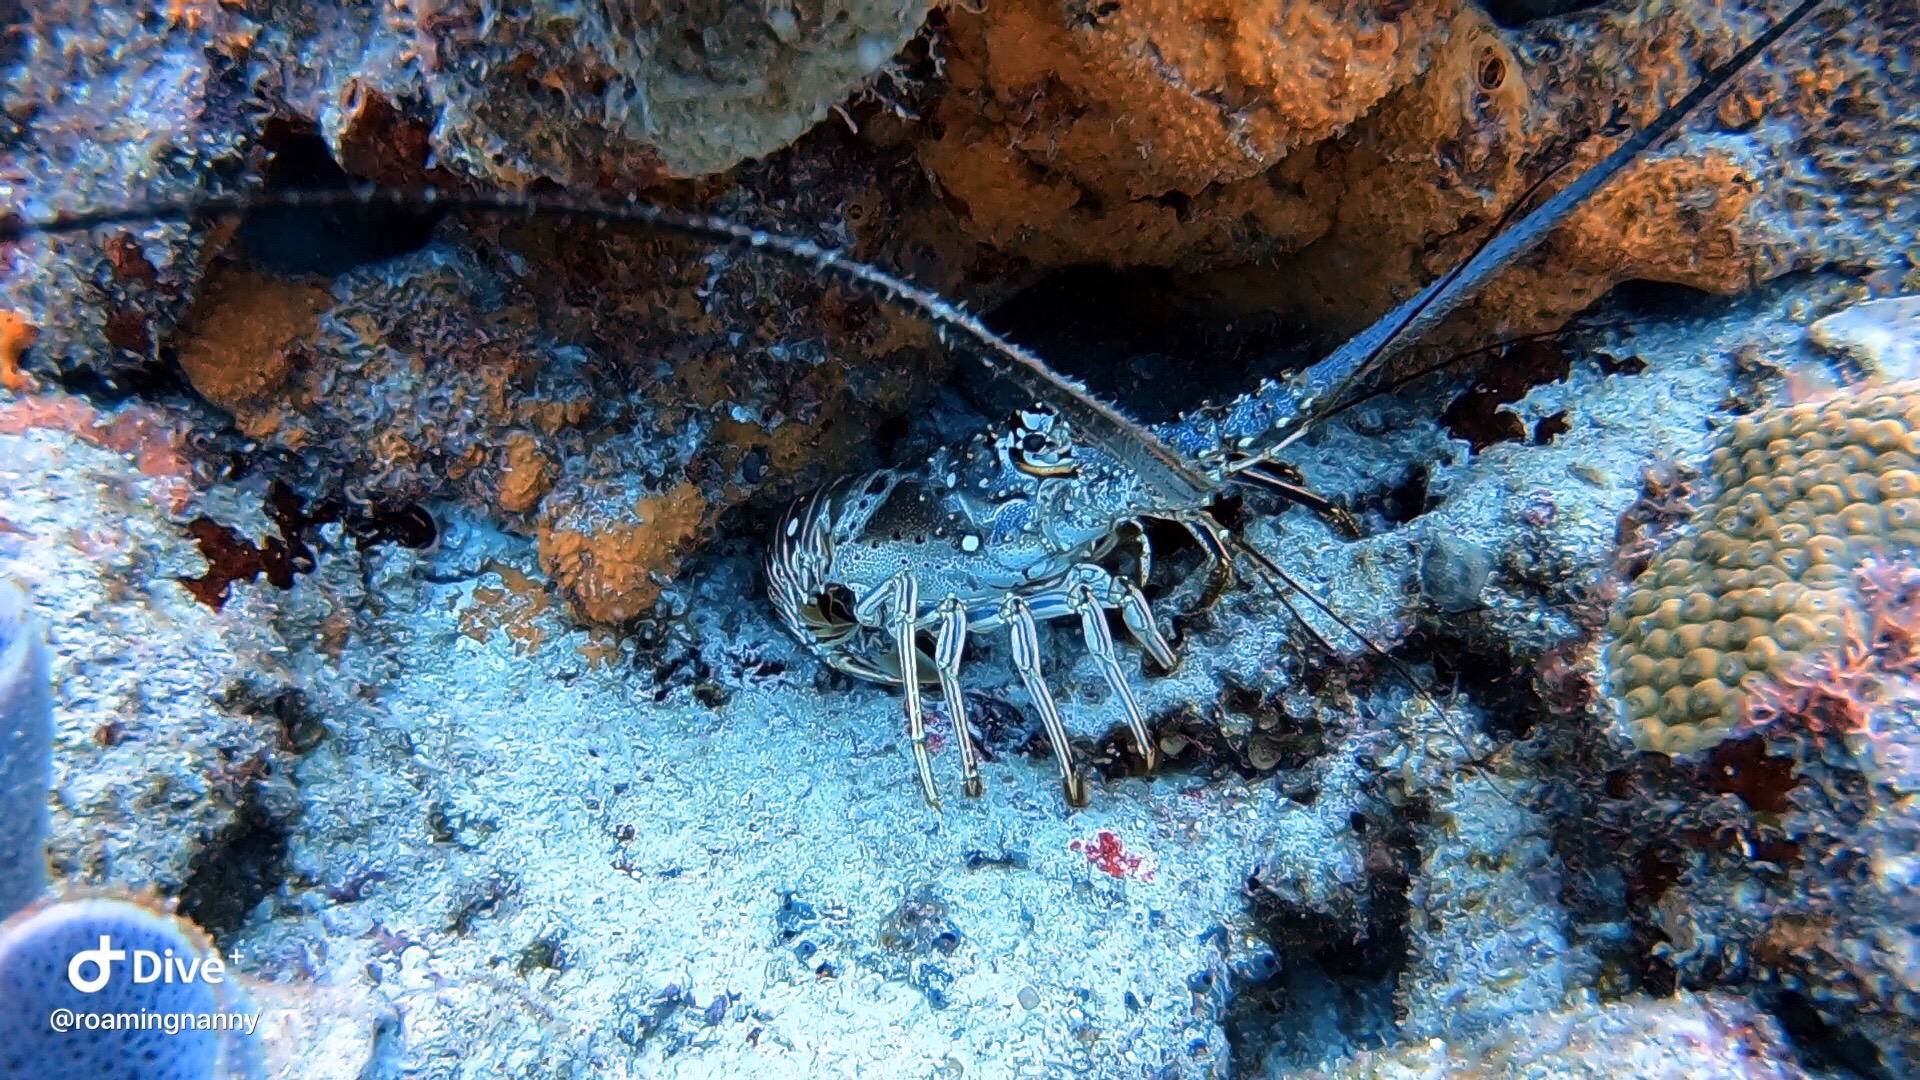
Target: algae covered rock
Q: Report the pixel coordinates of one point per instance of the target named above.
(641, 91)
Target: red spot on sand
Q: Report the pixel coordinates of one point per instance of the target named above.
(1110, 855)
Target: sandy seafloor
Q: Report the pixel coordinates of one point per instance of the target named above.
(500, 860)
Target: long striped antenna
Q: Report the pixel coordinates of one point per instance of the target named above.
(1033, 374)
(1406, 323)
(1301, 399)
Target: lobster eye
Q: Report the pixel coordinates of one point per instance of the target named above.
(836, 604)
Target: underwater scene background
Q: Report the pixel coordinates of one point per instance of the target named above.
(385, 611)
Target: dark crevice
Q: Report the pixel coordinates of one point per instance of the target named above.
(1820, 1046)
(227, 879)
(1142, 337)
(1742, 767)
(1522, 12)
(14, 38)
(1653, 301)
(149, 379)
(330, 242)
(1400, 501)
(1486, 671)
(1480, 415)
(1330, 982)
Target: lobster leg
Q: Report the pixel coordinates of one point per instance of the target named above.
(901, 614)
(1093, 624)
(1219, 567)
(948, 645)
(1138, 615)
(1026, 660)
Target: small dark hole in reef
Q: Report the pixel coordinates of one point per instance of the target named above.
(1742, 767)
(887, 435)
(1659, 978)
(1654, 870)
(1175, 556)
(325, 242)
(1521, 12)
(229, 877)
(1548, 428)
(1144, 337)
(1400, 502)
(14, 37)
(1657, 299)
(1478, 416)
(1820, 1046)
(1500, 682)
(1619, 365)
(150, 379)
(1330, 978)
(1493, 70)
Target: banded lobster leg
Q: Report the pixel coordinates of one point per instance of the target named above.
(949, 642)
(897, 606)
(1087, 594)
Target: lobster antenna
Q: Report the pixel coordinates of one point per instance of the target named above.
(1504, 247)
(1274, 571)
(999, 354)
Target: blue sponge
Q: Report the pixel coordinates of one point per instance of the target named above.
(36, 961)
(26, 753)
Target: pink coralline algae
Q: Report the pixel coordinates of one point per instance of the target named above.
(1107, 852)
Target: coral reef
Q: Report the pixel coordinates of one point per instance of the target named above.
(163, 757)
(1809, 493)
(612, 560)
(1783, 867)
(1327, 158)
(405, 630)
(106, 105)
(436, 376)
(1129, 133)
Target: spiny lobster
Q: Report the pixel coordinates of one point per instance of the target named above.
(884, 576)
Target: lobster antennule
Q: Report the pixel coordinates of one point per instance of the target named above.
(1253, 427)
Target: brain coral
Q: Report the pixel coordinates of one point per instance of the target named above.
(1762, 585)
